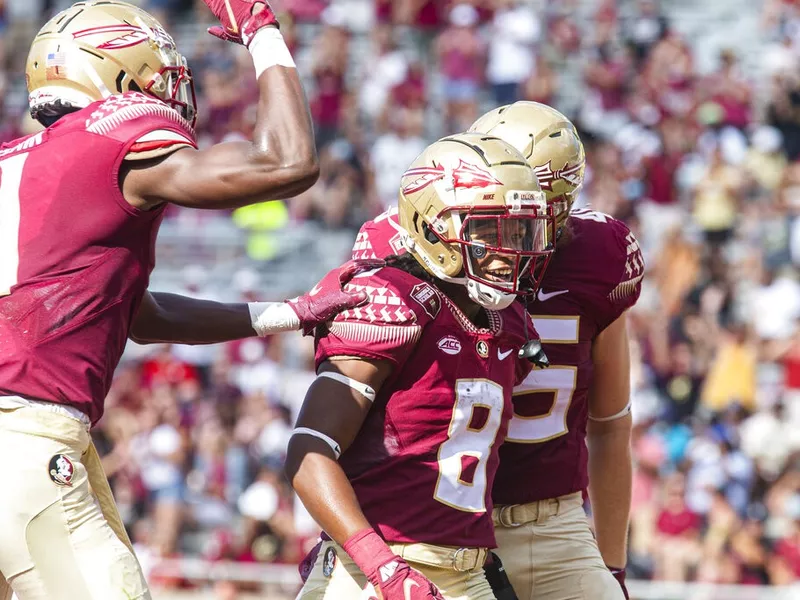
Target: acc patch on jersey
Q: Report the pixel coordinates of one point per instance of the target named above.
(61, 470)
(329, 561)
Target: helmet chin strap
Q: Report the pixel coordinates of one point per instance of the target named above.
(483, 295)
(488, 297)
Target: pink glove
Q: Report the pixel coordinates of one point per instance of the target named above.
(240, 19)
(327, 299)
(389, 573)
(619, 575)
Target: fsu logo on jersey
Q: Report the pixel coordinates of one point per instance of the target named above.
(130, 35)
(61, 470)
(547, 177)
(466, 176)
(482, 348)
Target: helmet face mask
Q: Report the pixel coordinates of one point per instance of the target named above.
(94, 50)
(474, 215)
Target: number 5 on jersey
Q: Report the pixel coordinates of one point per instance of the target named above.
(557, 380)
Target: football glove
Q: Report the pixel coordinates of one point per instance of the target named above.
(240, 19)
(386, 571)
(619, 575)
(323, 303)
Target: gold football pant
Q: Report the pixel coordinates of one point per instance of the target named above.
(57, 538)
(549, 552)
(336, 577)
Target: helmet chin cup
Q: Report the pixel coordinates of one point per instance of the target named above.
(488, 297)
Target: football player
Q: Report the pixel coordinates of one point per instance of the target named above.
(395, 448)
(543, 535)
(80, 205)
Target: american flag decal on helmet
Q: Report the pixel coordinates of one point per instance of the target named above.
(547, 177)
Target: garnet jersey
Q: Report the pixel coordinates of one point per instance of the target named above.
(591, 280)
(75, 257)
(424, 461)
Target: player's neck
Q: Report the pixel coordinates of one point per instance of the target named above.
(458, 294)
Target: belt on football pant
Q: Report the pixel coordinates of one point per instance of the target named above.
(458, 559)
(515, 515)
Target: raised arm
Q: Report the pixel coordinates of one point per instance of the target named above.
(281, 159)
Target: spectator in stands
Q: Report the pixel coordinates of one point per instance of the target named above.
(512, 59)
(461, 54)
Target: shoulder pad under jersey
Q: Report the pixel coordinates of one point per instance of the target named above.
(611, 252)
(146, 123)
(389, 325)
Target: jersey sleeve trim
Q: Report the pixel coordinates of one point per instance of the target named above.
(159, 142)
(397, 335)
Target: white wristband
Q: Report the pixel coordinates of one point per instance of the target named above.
(272, 317)
(268, 50)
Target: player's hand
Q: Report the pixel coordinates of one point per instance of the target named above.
(619, 575)
(329, 298)
(398, 581)
(389, 574)
(240, 19)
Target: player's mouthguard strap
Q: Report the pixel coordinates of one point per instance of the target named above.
(337, 450)
(623, 413)
(361, 388)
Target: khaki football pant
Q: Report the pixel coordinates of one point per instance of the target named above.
(550, 553)
(57, 541)
(346, 582)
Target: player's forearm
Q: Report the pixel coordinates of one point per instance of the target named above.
(324, 489)
(283, 137)
(610, 481)
(170, 318)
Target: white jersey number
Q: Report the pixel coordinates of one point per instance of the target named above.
(559, 380)
(10, 180)
(463, 456)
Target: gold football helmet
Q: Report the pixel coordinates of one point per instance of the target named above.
(474, 214)
(549, 142)
(95, 49)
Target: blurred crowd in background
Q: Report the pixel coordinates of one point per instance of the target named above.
(691, 120)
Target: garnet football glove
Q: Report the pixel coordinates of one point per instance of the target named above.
(387, 572)
(240, 19)
(307, 564)
(619, 575)
(325, 301)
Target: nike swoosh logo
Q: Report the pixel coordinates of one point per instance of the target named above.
(545, 297)
(503, 355)
(407, 585)
(315, 290)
